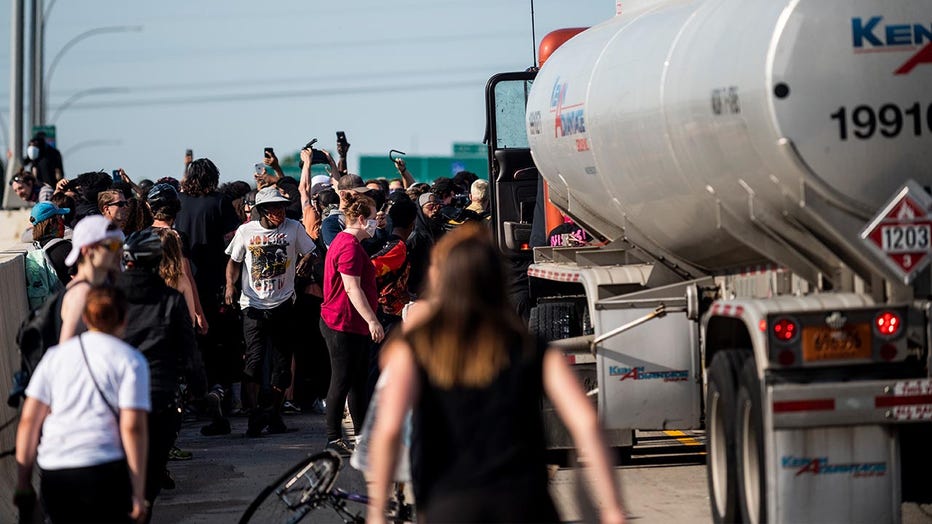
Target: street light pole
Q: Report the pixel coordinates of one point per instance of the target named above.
(37, 114)
(16, 94)
(71, 43)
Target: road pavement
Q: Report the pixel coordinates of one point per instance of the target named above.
(228, 471)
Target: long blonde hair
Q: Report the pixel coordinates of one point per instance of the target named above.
(170, 268)
(467, 339)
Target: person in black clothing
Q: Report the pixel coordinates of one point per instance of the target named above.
(206, 220)
(475, 378)
(85, 189)
(158, 324)
(427, 230)
(44, 161)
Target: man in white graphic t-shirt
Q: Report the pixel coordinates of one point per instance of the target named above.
(269, 248)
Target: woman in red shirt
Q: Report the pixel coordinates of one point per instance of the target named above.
(347, 317)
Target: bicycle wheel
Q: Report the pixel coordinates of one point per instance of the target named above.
(296, 493)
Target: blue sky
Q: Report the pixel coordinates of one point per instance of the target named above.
(227, 78)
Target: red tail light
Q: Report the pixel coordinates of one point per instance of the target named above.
(888, 323)
(785, 329)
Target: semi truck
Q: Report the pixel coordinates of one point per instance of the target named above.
(754, 179)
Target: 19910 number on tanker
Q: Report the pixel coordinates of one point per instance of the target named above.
(888, 120)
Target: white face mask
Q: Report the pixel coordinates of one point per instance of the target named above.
(371, 227)
(32, 152)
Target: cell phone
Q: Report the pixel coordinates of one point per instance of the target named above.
(260, 169)
(116, 175)
(269, 152)
(318, 157)
(188, 152)
(341, 137)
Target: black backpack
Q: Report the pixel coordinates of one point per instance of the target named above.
(36, 335)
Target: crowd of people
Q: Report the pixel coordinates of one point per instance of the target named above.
(262, 299)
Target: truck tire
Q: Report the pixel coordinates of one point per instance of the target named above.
(554, 321)
(720, 421)
(750, 429)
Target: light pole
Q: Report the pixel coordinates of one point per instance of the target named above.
(81, 94)
(71, 43)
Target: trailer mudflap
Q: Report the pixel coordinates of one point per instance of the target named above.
(837, 474)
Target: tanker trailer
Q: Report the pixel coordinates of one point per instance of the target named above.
(755, 177)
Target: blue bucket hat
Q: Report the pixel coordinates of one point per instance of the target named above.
(46, 210)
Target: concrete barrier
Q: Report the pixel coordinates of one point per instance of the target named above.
(14, 308)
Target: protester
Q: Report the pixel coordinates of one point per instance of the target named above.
(392, 265)
(269, 249)
(48, 230)
(85, 422)
(85, 189)
(29, 189)
(159, 326)
(475, 379)
(138, 216)
(427, 230)
(112, 205)
(479, 198)
(95, 252)
(348, 321)
(206, 219)
(44, 161)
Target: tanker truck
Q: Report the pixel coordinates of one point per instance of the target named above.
(754, 176)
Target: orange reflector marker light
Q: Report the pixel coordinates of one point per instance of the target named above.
(762, 326)
(785, 329)
(888, 323)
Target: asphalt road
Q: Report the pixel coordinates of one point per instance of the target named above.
(665, 480)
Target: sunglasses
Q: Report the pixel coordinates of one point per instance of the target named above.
(118, 203)
(111, 245)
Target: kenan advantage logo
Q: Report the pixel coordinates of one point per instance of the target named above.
(873, 36)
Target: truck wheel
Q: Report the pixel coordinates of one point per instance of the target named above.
(554, 321)
(750, 427)
(720, 421)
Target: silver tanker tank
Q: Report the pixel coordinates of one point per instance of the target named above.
(675, 118)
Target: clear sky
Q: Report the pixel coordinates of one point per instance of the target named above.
(229, 77)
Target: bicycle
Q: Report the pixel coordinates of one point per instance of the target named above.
(308, 485)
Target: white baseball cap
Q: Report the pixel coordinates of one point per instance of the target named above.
(320, 179)
(89, 231)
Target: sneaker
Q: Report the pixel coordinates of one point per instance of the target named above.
(178, 454)
(276, 424)
(341, 447)
(258, 420)
(319, 407)
(168, 481)
(290, 407)
(219, 426)
(215, 402)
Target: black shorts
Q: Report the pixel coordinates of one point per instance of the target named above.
(101, 493)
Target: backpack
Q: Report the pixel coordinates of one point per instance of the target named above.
(38, 332)
(41, 278)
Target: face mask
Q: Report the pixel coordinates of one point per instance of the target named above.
(370, 227)
(32, 152)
